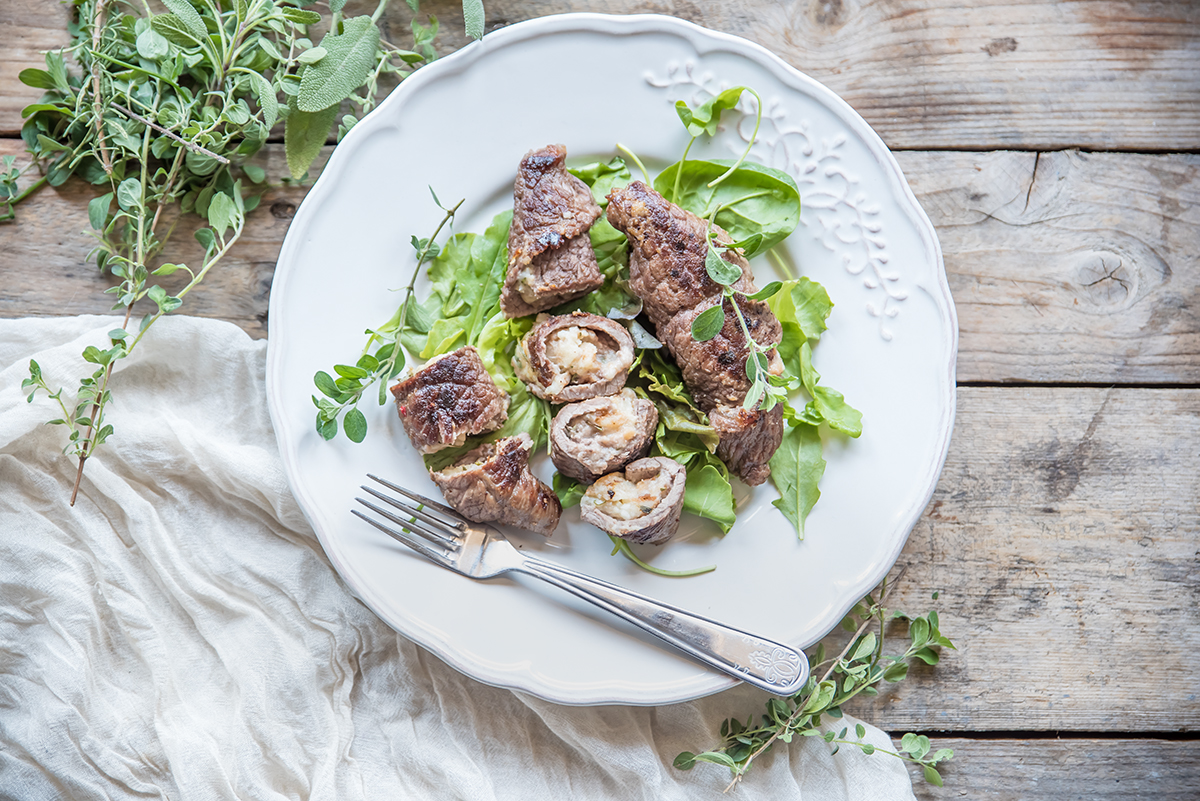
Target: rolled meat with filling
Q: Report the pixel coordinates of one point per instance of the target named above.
(573, 357)
(493, 484)
(550, 256)
(595, 437)
(448, 399)
(641, 505)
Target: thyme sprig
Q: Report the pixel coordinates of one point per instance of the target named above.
(858, 669)
(164, 117)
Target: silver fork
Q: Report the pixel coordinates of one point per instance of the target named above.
(480, 551)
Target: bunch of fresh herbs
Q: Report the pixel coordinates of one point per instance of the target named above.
(857, 669)
(164, 117)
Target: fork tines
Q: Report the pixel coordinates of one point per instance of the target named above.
(434, 529)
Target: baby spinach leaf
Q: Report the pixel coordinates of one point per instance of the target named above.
(709, 495)
(756, 205)
(603, 177)
(704, 118)
(796, 468)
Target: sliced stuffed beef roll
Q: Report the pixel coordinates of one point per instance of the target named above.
(573, 357)
(493, 484)
(641, 505)
(595, 437)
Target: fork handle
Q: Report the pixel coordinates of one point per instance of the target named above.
(768, 665)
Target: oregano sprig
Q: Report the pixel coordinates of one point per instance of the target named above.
(343, 393)
(166, 114)
(857, 670)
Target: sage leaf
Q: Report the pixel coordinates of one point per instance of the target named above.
(473, 18)
(172, 28)
(189, 16)
(708, 323)
(350, 57)
(300, 16)
(303, 136)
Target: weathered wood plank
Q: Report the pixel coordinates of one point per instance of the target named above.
(929, 74)
(1066, 770)
(1069, 266)
(1085, 273)
(1064, 542)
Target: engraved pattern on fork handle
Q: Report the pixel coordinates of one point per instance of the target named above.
(768, 665)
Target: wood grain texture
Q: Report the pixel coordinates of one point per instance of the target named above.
(1065, 770)
(1069, 266)
(925, 73)
(1088, 271)
(1064, 541)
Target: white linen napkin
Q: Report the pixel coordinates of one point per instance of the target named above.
(180, 634)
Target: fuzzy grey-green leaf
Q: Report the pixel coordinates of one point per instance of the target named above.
(350, 57)
(303, 136)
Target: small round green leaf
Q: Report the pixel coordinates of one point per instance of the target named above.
(708, 323)
(355, 425)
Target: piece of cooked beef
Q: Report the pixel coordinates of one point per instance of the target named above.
(715, 370)
(448, 399)
(642, 504)
(573, 357)
(595, 437)
(551, 279)
(666, 270)
(667, 250)
(493, 484)
(550, 259)
(748, 439)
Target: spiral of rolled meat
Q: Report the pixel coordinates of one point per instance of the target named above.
(641, 505)
(666, 270)
(595, 437)
(573, 357)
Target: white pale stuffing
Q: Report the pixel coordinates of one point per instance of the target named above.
(180, 634)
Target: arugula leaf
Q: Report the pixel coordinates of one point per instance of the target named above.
(758, 206)
(796, 468)
(603, 177)
(466, 278)
(828, 404)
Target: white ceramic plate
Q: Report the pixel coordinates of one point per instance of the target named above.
(590, 81)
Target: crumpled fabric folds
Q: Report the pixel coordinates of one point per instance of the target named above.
(180, 634)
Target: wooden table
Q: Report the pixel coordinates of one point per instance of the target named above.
(1056, 147)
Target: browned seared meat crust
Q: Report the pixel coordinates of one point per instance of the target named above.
(667, 272)
(748, 440)
(666, 263)
(448, 399)
(715, 371)
(552, 278)
(597, 436)
(550, 259)
(573, 357)
(642, 505)
(493, 484)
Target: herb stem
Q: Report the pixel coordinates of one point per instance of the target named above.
(679, 171)
(800, 703)
(98, 21)
(636, 160)
(750, 144)
(192, 146)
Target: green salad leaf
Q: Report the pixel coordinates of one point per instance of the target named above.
(796, 469)
(758, 206)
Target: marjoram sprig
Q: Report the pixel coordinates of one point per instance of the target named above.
(857, 669)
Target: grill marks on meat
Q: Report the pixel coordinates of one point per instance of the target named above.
(550, 257)
(667, 272)
(493, 484)
(598, 436)
(573, 357)
(666, 263)
(448, 399)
